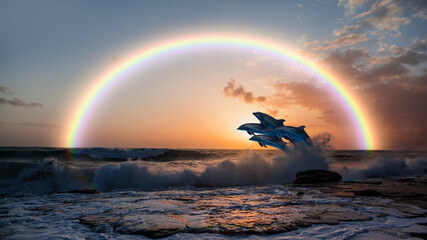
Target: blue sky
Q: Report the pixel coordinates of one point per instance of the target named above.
(50, 50)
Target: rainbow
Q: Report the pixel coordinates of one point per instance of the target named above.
(110, 77)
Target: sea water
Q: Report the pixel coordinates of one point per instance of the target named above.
(174, 190)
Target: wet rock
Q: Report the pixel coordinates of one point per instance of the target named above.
(406, 180)
(83, 191)
(261, 211)
(419, 235)
(316, 176)
(403, 192)
(367, 193)
(371, 182)
(185, 199)
(333, 215)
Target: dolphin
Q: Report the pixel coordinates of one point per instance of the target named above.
(269, 121)
(274, 141)
(252, 128)
(294, 134)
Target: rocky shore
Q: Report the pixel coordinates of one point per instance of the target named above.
(262, 211)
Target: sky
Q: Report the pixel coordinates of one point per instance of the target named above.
(51, 51)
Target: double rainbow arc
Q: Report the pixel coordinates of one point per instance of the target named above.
(94, 94)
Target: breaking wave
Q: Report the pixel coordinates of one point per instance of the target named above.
(46, 177)
(52, 175)
(211, 168)
(383, 167)
(251, 169)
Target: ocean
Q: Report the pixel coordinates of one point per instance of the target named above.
(112, 193)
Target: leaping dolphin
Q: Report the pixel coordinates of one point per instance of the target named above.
(269, 121)
(252, 128)
(294, 134)
(273, 141)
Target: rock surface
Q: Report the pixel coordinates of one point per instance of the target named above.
(84, 191)
(407, 192)
(260, 210)
(316, 176)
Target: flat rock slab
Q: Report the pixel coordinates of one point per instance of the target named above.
(227, 223)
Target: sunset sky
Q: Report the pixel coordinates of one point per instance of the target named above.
(51, 51)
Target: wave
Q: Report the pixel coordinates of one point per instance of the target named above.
(383, 167)
(46, 177)
(51, 175)
(252, 168)
(119, 153)
(111, 154)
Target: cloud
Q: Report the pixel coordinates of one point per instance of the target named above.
(19, 102)
(384, 19)
(400, 110)
(16, 101)
(394, 93)
(343, 41)
(272, 112)
(350, 5)
(389, 86)
(286, 95)
(361, 68)
(236, 90)
(391, 81)
(308, 96)
(398, 106)
(300, 93)
(420, 8)
(6, 90)
(384, 15)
